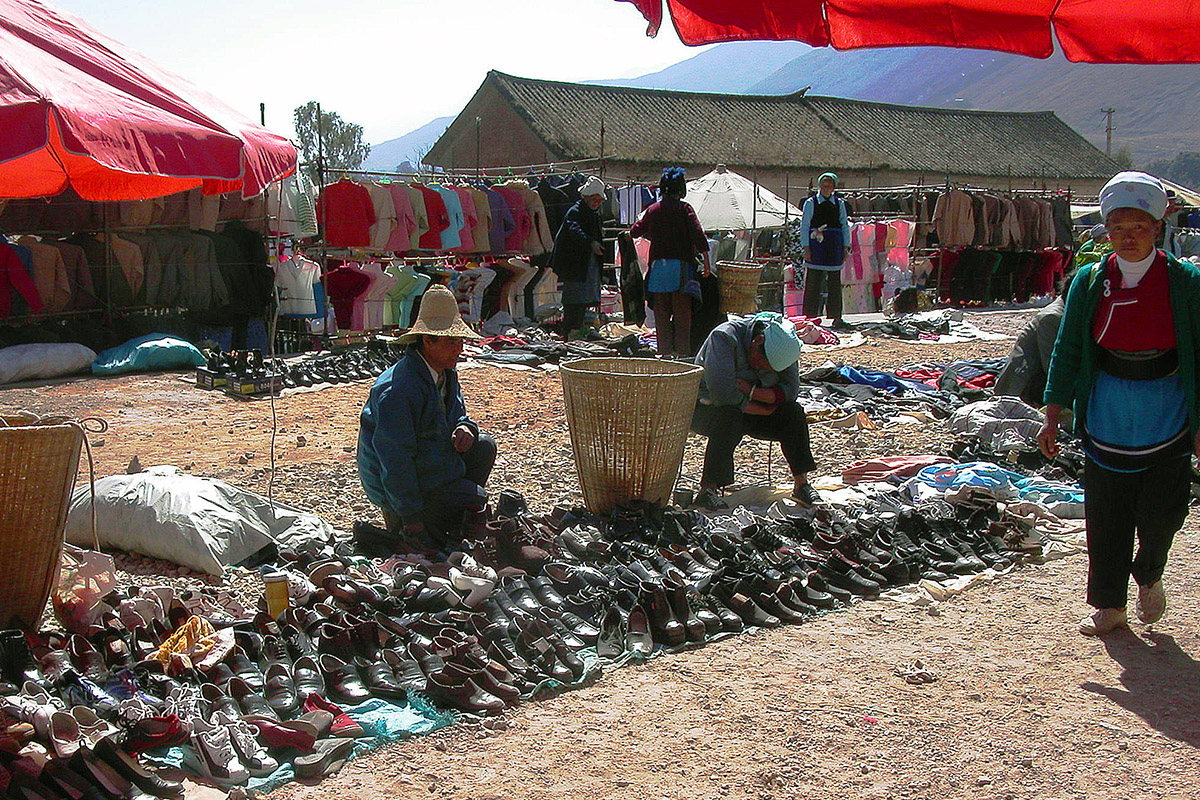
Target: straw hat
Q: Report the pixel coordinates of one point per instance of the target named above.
(439, 317)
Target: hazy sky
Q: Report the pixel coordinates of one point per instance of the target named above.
(388, 66)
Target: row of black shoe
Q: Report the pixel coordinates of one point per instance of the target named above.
(361, 363)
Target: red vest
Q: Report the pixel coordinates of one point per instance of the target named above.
(1135, 319)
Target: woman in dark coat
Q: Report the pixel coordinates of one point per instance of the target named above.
(677, 245)
(577, 251)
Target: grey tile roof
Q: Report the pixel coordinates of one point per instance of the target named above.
(794, 131)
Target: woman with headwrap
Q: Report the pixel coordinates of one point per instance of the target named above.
(578, 248)
(677, 245)
(825, 239)
(1126, 360)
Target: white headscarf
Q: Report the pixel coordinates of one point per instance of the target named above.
(592, 185)
(1134, 190)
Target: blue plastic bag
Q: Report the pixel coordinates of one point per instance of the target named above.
(153, 351)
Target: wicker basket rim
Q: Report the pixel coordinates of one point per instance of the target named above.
(599, 365)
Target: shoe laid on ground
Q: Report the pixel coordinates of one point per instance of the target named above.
(1102, 621)
(710, 500)
(1151, 602)
(807, 496)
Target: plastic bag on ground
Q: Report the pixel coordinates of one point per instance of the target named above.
(201, 523)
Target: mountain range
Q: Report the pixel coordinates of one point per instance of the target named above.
(1156, 108)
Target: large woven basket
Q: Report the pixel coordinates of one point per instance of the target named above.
(739, 286)
(629, 420)
(38, 463)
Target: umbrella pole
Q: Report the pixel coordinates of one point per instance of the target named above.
(754, 216)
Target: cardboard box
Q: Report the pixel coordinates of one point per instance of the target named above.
(207, 379)
(245, 387)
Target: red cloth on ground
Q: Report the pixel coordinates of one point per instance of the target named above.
(881, 469)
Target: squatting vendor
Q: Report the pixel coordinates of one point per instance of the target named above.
(421, 458)
(749, 389)
(1126, 360)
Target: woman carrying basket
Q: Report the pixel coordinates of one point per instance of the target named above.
(677, 243)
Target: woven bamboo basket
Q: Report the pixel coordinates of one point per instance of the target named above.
(629, 420)
(739, 286)
(38, 463)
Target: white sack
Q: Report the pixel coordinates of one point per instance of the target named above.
(26, 362)
(201, 523)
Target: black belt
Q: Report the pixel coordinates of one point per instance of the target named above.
(1139, 366)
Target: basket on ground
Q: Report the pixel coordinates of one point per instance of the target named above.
(38, 464)
(739, 286)
(629, 420)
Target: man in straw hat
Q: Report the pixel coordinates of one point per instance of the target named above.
(420, 457)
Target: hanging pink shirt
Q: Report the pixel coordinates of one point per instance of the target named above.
(406, 220)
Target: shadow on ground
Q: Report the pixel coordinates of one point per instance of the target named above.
(1160, 683)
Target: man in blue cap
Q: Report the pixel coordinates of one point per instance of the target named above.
(749, 389)
(824, 233)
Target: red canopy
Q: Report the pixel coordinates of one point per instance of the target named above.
(78, 108)
(1099, 31)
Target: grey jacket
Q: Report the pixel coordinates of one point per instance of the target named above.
(725, 358)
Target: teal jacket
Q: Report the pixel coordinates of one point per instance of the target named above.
(1073, 365)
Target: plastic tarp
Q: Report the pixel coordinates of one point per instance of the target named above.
(1097, 31)
(79, 108)
(201, 523)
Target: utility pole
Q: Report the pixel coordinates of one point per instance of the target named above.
(1108, 129)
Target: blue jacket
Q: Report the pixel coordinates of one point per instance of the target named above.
(404, 446)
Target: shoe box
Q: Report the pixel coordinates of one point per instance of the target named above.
(242, 386)
(211, 379)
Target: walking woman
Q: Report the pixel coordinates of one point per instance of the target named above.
(677, 244)
(1126, 360)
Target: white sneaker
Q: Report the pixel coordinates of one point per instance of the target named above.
(1102, 621)
(250, 751)
(211, 754)
(1151, 602)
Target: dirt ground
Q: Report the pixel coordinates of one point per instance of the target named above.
(1024, 707)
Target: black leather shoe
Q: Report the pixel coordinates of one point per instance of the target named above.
(613, 631)
(343, 680)
(638, 638)
(381, 680)
(132, 770)
(249, 699)
(307, 678)
(245, 669)
(750, 612)
(547, 595)
(280, 690)
(406, 671)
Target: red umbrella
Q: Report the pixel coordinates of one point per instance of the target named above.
(1099, 31)
(78, 108)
